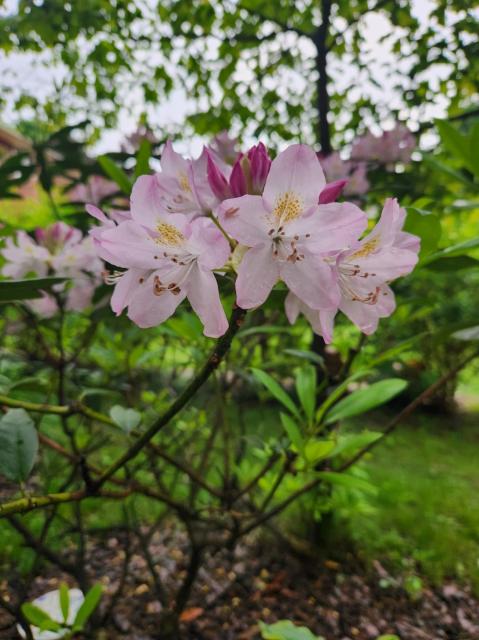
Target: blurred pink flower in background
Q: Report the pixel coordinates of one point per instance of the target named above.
(389, 148)
(94, 191)
(225, 147)
(58, 250)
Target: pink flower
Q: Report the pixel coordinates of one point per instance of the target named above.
(224, 147)
(59, 250)
(385, 254)
(24, 256)
(289, 234)
(94, 191)
(391, 147)
(181, 186)
(168, 258)
(248, 175)
(353, 173)
(332, 191)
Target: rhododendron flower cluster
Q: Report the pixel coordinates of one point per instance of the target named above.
(93, 191)
(268, 221)
(58, 250)
(389, 148)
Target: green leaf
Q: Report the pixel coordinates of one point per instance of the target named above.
(18, 445)
(292, 429)
(143, 158)
(338, 392)
(305, 355)
(89, 605)
(286, 630)
(276, 390)
(306, 390)
(388, 636)
(11, 290)
(454, 263)
(64, 601)
(462, 248)
(474, 149)
(366, 399)
(114, 172)
(126, 419)
(454, 142)
(348, 481)
(39, 618)
(425, 225)
(316, 450)
(352, 443)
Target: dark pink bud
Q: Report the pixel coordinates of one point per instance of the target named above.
(332, 191)
(260, 164)
(218, 183)
(40, 235)
(238, 179)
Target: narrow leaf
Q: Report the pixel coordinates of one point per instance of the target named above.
(89, 605)
(276, 390)
(366, 399)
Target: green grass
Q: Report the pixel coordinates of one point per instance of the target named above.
(426, 510)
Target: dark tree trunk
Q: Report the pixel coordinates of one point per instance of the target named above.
(320, 38)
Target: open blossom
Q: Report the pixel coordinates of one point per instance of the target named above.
(93, 191)
(365, 270)
(289, 235)
(390, 147)
(353, 173)
(58, 250)
(181, 186)
(248, 175)
(168, 258)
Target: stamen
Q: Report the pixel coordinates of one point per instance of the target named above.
(288, 207)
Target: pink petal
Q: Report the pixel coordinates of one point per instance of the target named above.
(147, 205)
(245, 219)
(126, 288)
(172, 163)
(147, 309)
(337, 225)
(257, 275)
(312, 280)
(332, 191)
(129, 245)
(296, 169)
(204, 297)
(208, 242)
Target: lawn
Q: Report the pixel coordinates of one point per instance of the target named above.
(425, 513)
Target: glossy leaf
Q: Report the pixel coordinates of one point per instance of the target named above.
(18, 445)
(126, 419)
(11, 290)
(276, 390)
(39, 618)
(364, 400)
(92, 600)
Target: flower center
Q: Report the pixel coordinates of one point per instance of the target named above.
(288, 206)
(368, 247)
(169, 235)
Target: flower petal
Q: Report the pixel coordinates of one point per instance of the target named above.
(147, 204)
(129, 245)
(125, 289)
(204, 297)
(245, 219)
(147, 309)
(333, 226)
(207, 241)
(257, 275)
(313, 281)
(296, 169)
